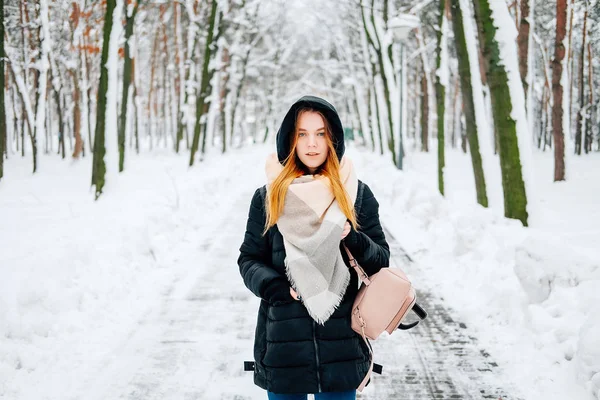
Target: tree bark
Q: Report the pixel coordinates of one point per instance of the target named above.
(41, 79)
(580, 86)
(61, 124)
(588, 135)
(515, 198)
(76, 116)
(557, 91)
(523, 43)
(203, 83)
(189, 65)
(424, 113)
(464, 71)
(376, 45)
(223, 95)
(440, 97)
(127, 78)
(99, 166)
(2, 106)
(180, 74)
(370, 118)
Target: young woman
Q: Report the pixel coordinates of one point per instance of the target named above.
(291, 258)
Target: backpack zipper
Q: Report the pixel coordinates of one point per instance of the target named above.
(316, 354)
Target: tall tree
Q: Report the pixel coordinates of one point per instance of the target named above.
(130, 13)
(523, 42)
(99, 165)
(204, 82)
(515, 197)
(579, 131)
(43, 62)
(557, 90)
(383, 52)
(2, 107)
(464, 71)
(440, 90)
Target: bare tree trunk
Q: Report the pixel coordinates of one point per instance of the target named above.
(99, 166)
(369, 117)
(179, 75)
(378, 115)
(42, 81)
(557, 91)
(456, 115)
(16, 125)
(136, 112)
(424, 113)
(570, 66)
(523, 42)
(589, 132)
(2, 106)
(515, 196)
(61, 124)
(581, 99)
(466, 88)
(76, 115)
(542, 117)
(127, 78)
(189, 65)
(154, 62)
(376, 45)
(440, 95)
(204, 82)
(88, 93)
(24, 34)
(226, 60)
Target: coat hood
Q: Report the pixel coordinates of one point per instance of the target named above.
(287, 126)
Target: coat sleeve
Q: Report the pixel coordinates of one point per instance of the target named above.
(254, 260)
(368, 245)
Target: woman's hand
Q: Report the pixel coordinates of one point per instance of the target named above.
(294, 294)
(346, 230)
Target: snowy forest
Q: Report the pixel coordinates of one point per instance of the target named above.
(101, 80)
(134, 133)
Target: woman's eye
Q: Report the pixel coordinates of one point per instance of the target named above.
(321, 133)
(301, 134)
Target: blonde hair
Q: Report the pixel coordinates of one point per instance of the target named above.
(293, 168)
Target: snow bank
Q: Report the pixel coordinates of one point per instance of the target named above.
(588, 354)
(518, 288)
(78, 275)
(564, 287)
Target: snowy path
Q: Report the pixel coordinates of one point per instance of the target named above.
(437, 360)
(193, 345)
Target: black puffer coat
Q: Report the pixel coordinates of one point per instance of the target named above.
(292, 353)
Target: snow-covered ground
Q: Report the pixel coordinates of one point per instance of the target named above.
(88, 286)
(533, 294)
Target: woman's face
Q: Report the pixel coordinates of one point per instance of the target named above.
(311, 147)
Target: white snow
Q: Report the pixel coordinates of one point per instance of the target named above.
(532, 293)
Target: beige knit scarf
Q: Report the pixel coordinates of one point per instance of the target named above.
(311, 225)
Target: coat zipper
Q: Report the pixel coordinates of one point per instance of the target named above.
(316, 354)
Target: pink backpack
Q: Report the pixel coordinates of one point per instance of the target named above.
(383, 301)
